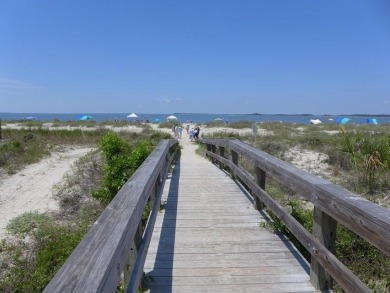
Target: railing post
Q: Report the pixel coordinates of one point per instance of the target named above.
(235, 162)
(213, 150)
(324, 229)
(222, 154)
(132, 256)
(260, 180)
(208, 147)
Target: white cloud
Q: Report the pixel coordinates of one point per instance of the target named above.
(169, 100)
(16, 85)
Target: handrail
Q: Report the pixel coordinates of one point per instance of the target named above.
(100, 258)
(332, 204)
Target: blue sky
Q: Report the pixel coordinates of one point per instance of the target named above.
(276, 56)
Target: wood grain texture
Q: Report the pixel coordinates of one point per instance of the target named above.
(97, 262)
(368, 220)
(208, 238)
(361, 216)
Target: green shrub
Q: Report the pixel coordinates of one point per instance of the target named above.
(122, 160)
(27, 222)
(53, 244)
(366, 261)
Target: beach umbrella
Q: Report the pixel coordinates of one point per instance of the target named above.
(218, 119)
(30, 118)
(132, 115)
(85, 117)
(171, 118)
(342, 120)
(315, 121)
(156, 120)
(372, 121)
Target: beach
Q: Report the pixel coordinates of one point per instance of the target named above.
(30, 190)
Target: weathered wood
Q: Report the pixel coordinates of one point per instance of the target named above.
(235, 162)
(336, 269)
(363, 217)
(222, 154)
(326, 259)
(97, 262)
(260, 180)
(208, 235)
(208, 147)
(137, 273)
(213, 150)
(216, 142)
(324, 230)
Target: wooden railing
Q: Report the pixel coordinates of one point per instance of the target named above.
(116, 243)
(332, 205)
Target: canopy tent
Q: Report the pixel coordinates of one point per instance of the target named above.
(342, 120)
(171, 118)
(315, 121)
(30, 118)
(372, 121)
(84, 117)
(132, 115)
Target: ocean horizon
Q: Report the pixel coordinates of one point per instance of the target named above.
(196, 117)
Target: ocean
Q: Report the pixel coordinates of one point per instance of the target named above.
(184, 117)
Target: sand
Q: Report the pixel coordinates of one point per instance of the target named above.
(31, 189)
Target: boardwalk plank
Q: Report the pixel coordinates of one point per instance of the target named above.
(208, 238)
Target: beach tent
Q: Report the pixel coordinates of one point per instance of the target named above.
(372, 121)
(30, 118)
(342, 120)
(85, 117)
(315, 121)
(132, 115)
(171, 118)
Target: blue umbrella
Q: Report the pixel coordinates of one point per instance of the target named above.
(372, 121)
(342, 120)
(85, 117)
(156, 120)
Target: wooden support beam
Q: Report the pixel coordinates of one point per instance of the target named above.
(235, 162)
(324, 230)
(260, 180)
(222, 154)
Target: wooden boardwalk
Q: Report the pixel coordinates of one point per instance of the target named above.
(208, 238)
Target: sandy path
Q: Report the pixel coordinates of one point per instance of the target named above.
(31, 188)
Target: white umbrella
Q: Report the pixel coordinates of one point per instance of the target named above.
(171, 117)
(132, 115)
(315, 121)
(218, 119)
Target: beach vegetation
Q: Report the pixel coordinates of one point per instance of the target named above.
(357, 159)
(169, 124)
(40, 243)
(121, 161)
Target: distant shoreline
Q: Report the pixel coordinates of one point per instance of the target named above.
(316, 115)
(188, 113)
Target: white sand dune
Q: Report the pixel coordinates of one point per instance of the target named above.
(31, 189)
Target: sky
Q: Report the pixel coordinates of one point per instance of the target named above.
(195, 56)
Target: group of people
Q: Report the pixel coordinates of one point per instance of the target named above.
(192, 132)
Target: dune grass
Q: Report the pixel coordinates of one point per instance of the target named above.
(42, 242)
